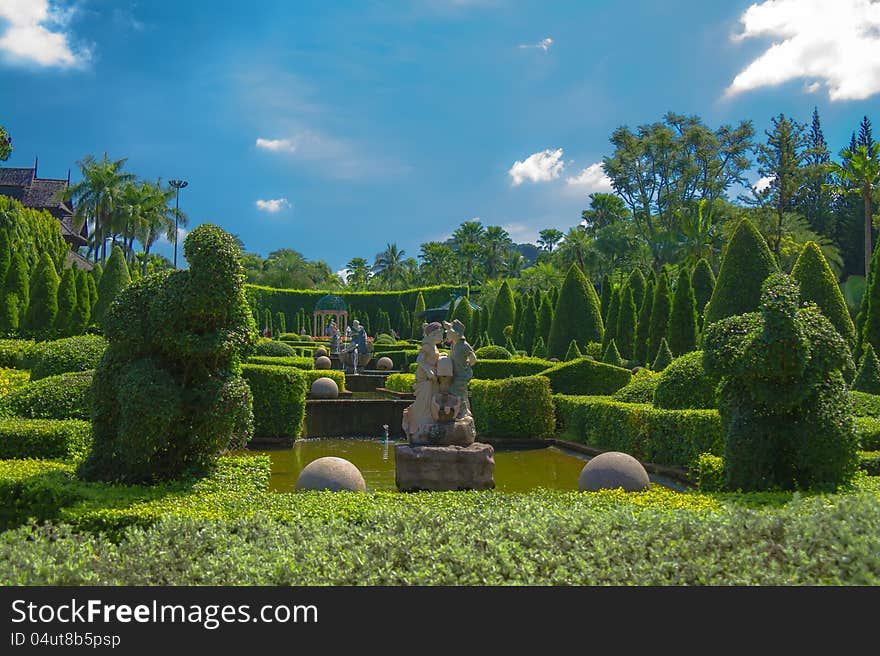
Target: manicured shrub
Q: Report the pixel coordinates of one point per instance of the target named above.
(746, 265)
(12, 379)
(61, 356)
(707, 471)
(513, 407)
(539, 350)
(683, 320)
(43, 304)
(643, 328)
(611, 319)
(281, 322)
(10, 320)
(868, 377)
(869, 462)
(586, 376)
(503, 314)
(868, 433)
(529, 324)
(703, 282)
(418, 309)
(661, 310)
(5, 252)
(545, 321)
(400, 382)
(492, 353)
(32, 233)
(300, 362)
(684, 384)
(640, 389)
(66, 396)
(279, 399)
(12, 352)
(44, 438)
(314, 374)
(865, 405)
(636, 282)
(67, 302)
(514, 367)
(167, 398)
(668, 437)
(818, 285)
(114, 280)
(82, 313)
(627, 320)
(93, 291)
(593, 350)
(572, 352)
(462, 311)
(605, 300)
(612, 355)
(274, 349)
(577, 316)
(664, 357)
(783, 396)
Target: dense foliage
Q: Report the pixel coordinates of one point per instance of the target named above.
(65, 396)
(577, 314)
(819, 285)
(64, 355)
(586, 376)
(685, 384)
(513, 407)
(279, 399)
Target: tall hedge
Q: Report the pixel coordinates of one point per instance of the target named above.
(585, 376)
(513, 407)
(636, 282)
(113, 281)
(605, 300)
(819, 285)
(611, 319)
(18, 282)
(67, 302)
(683, 321)
(279, 399)
(746, 265)
(626, 324)
(643, 327)
(82, 313)
(661, 310)
(503, 313)
(545, 319)
(463, 311)
(577, 316)
(703, 282)
(529, 323)
(43, 305)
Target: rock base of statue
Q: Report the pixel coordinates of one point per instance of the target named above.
(460, 432)
(442, 468)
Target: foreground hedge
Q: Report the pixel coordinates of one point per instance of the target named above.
(12, 352)
(67, 396)
(400, 382)
(44, 438)
(864, 404)
(649, 538)
(513, 407)
(12, 379)
(668, 437)
(62, 356)
(279, 398)
(585, 376)
(495, 369)
(289, 361)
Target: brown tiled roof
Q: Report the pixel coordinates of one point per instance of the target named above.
(81, 262)
(16, 177)
(45, 193)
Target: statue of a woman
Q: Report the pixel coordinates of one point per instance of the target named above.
(418, 414)
(463, 358)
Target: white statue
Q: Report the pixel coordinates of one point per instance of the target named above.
(418, 415)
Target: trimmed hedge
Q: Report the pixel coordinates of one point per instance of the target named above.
(291, 361)
(864, 404)
(869, 462)
(273, 348)
(668, 437)
(513, 407)
(314, 374)
(279, 398)
(62, 356)
(495, 369)
(684, 384)
(44, 438)
(492, 353)
(585, 376)
(400, 382)
(401, 358)
(12, 352)
(868, 433)
(12, 379)
(640, 389)
(66, 396)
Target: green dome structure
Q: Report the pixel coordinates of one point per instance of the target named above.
(326, 308)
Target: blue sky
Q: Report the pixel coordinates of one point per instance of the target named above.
(335, 127)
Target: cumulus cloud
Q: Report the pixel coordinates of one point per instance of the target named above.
(592, 178)
(543, 44)
(276, 145)
(763, 183)
(273, 205)
(36, 33)
(542, 166)
(833, 43)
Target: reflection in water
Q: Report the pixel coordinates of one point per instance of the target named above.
(515, 471)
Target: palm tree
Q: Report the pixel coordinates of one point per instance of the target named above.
(467, 243)
(389, 267)
(860, 172)
(548, 238)
(358, 273)
(96, 197)
(496, 242)
(157, 217)
(438, 264)
(576, 248)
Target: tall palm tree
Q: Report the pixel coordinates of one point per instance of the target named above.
(496, 242)
(96, 197)
(358, 273)
(388, 266)
(157, 217)
(467, 243)
(576, 248)
(859, 172)
(438, 264)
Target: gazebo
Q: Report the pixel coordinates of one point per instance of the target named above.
(327, 307)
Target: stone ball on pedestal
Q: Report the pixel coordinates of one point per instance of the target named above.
(320, 351)
(611, 470)
(333, 474)
(322, 362)
(385, 363)
(325, 388)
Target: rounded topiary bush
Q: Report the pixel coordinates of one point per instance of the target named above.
(64, 355)
(493, 353)
(640, 389)
(273, 348)
(384, 339)
(685, 384)
(66, 396)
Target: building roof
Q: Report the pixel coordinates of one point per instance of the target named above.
(16, 177)
(46, 193)
(81, 262)
(23, 185)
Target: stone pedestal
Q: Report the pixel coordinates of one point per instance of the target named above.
(461, 432)
(441, 468)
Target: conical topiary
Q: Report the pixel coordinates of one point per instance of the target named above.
(746, 265)
(5, 253)
(643, 327)
(577, 317)
(626, 324)
(529, 323)
(9, 315)
(818, 285)
(66, 302)
(503, 313)
(605, 300)
(43, 307)
(545, 319)
(572, 352)
(79, 318)
(664, 357)
(539, 350)
(683, 320)
(112, 282)
(661, 309)
(98, 272)
(869, 313)
(612, 355)
(636, 282)
(93, 292)
(868, 377)
(703, 282)
(463, 311)
(18, 282)
(611, 321)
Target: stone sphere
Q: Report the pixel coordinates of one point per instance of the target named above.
(320, 351)
(330, 473)
(322, 362)
(611, 470)
(385, 364)
(325, 388)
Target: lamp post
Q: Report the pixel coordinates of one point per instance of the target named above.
(178, 185)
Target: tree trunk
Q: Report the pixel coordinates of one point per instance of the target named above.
(868, 249)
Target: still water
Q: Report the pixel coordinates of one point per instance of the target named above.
(515, 470)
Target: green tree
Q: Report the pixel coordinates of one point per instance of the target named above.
(627, 320)
(17, 282)
(503, 314)
(661, 309)
(5, 253)
(43, 306)
(548, 238)
(683, 321)
(868, 377)
(358, 272)
(93, 292)
(746, 265)
(82, 313)
(605, 300)
(9, 318)
(703, 282)
(545, 319)
(818, 285)
(114, 279)
(636, 282)
(67, 302)
(496, 243)
(860, 172)
(577, 314)
(438, 264)
(5, 144)
(389, 268)
(467, 244)
(418, 308)
(529, 323)
(643, 327)
(611, 321)
(463, 311)
(813, 198)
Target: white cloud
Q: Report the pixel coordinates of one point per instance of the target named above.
(592, 178)
(763, 183)
(272, 206)
(543, 44)
(276, 145)
(521, 233)
(542, 166)
(36, 34)
(837, 43)
(812, 88)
